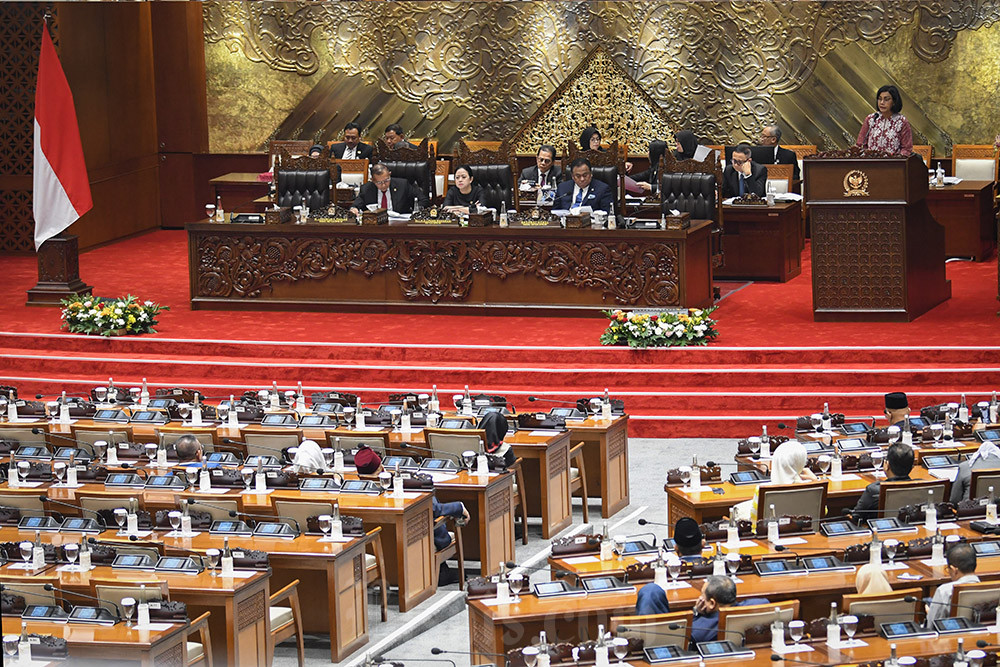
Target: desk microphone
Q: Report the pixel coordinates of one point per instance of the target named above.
(532, 399)
(58, 516)
(440, 452)
(647, 522)
(640, 629)
(721, 464)
(780, 658)
(63, 591)
(440, 651)
(913, 598)
(271, 519)
(559, 572)
(982, 643)
(81, 444)
(194, 501)
(387, 661)
(240, 448)
(47, 499)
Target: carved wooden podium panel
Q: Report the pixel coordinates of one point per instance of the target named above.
(877, 253)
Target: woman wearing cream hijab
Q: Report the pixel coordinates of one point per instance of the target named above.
(788, 466)
(871, 580)
(308, 458)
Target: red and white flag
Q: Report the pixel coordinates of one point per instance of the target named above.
(61, 188)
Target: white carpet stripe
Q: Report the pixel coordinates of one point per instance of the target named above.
(459, 346)
(488, 369)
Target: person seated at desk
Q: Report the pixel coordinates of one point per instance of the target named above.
(898, 464)
(897, 407)
(496, 428)
(393, 194)
(545, 172)
(582, 190)
(646, 179)
(590, 139)
(464, 192)
(788, 466)
(715, 593)
(961, 570)
(191, 453)
(685, 145)
(871, 580)
(742, 176)
(651, 598)
(887, 130)
(351, 147)
(987, 457)
(770, 136)
(369, 463)
(394, 138)
(308, 458)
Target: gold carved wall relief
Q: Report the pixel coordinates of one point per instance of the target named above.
(481, 69)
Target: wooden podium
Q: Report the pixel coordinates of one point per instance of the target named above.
(877, 253)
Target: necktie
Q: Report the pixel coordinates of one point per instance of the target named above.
(385, 200)
(579, 199)
(543, 180)
(743, 186)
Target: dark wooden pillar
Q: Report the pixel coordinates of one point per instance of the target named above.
(58, 272)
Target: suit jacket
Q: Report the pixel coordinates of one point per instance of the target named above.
(364, 151)
(531, 174)
(960, 487)
(400, 191)
(598, 195)
(787, 156)
(756, 182)
(867, 506)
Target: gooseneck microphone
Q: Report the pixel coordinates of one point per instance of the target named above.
(532, 399)
(100, 521)
(439, 452)
(89, 447)
(63, 591)
(440, 651)
(780, 658)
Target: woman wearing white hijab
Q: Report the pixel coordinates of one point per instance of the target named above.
(986, 457)
(788, 466)
(308, 458)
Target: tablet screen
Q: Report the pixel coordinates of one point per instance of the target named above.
(883, 524)
(837, 527)
(819, 563)
(744, 477)
(549, 587)
(771, 566)
(899, 628)
(663, 652)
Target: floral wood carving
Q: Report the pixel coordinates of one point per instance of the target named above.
(435, 270)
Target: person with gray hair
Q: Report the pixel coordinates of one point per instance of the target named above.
(395, 195)
(961, 570)
(716, 592)
(770, 137)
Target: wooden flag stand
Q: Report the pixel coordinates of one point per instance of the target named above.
(58, 272)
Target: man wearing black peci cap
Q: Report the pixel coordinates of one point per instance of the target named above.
(897, 408)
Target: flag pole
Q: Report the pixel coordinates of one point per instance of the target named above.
(58, 257)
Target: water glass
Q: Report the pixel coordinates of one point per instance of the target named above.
(937, 430)
(10, 643)
(673, 569)
(516, 583)
(128, 608)
(59, 468)
(816, 419)
(457, 400)
(891, 546)
(824, 463)
(796, 630)
(26, 548)
(325, 524)
(385, 481)
(222, 411)
(469, 457)
(120, 516)
(893, 432)
(135, 393)
(23, 468)
(70, 551)
(732, 564)
(620, 645)
(423, 400)
(175, 519)
(850, 625)
(213, 560)
(101, 394)
(150, 449)
(530, 655)
(328, 455)
(247, 475)
(210, 211)
(685, 472)
(183, 411)
(754, 444)
(619, 541)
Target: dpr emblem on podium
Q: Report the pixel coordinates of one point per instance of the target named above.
(856, 184)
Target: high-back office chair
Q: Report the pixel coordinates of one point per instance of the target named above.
(981, 481)
(734, 621)
(974, 162)
(893, 495)
(885, 607)
(790, 499)
(415, 165)
(492, 170)
(656, 629)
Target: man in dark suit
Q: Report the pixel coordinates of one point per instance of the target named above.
(742, 175)
(545, 172)
(582, 190)
(898, 465)
(770, 136)
(394, 137)
(392, 194)
(351, 147)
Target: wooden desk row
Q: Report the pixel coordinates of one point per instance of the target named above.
(497, 628)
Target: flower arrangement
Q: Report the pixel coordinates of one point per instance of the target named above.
(693, 327)
(123, 316)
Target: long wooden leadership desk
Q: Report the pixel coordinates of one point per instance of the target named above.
(438, 268)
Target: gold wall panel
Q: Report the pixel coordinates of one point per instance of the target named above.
(481, 69)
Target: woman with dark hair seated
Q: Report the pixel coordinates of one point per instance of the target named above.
(590, 139)
(887, 130)
(495, 425)
(464, 192)
(686, 143)
(647, 179)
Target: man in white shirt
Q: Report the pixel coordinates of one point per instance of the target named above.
(770, 136)
(961, 569)
(351, 147)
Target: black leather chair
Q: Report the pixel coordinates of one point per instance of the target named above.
(693, 193)
(418, 174)
(496, 181)
(610, 176)
(309, 185)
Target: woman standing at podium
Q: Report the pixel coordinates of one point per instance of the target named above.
(887, 130)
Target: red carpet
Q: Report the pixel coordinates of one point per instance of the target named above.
(761, 368)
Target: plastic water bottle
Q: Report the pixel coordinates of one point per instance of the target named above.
(142, 609)
(991, 513)
(930, 513)
(833, 628)
(772, 526)
(777, 632)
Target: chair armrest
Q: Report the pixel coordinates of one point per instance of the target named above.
(285, 593)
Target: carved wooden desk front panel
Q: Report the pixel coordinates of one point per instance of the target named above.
(431, 267)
